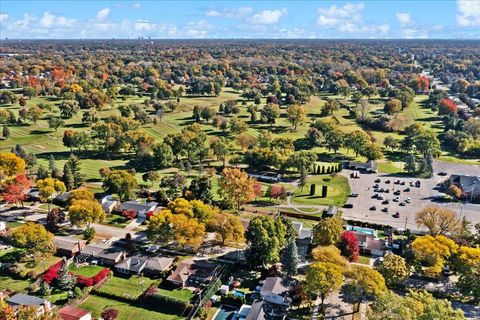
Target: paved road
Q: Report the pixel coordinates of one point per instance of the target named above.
(420, 197)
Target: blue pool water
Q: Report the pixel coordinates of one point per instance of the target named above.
(237, 293)
(363, 230)
(225, 313)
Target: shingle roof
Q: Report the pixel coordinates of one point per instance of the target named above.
(466, 183)
(139, 207)
(26, 300)
(73, 313)
(273, 285)
(67, 243)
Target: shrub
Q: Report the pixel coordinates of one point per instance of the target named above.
(349, 245)
(52, 272)
(83, 281)
(130, 214)
(110, 314)
(233, 300)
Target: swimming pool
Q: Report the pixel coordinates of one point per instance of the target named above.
(363, 230)
(237, 293)
(225, 313)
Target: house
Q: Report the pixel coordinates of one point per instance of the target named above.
(141, 208)
(21, 300)
(192, 272)
(273, 291)
(243, 312)
(61, 199)
(138, 264)
(108, 254)
(74, 313)
(304, 240)
(108, 203)
(262, 310)
(369, 166)
(68, 246)
(370, 245)
(470, 185)
(3, 226)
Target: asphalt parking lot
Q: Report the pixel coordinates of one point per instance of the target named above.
(420, 197)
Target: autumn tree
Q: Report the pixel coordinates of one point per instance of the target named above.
(235, 187)
(270, 113)
(11, 165)
(330, 254)
(296, 115)
(34, 238)
(432, 252)
(362, 283)
(54, 218)
(327, 231)
(228, 227)
(447, 107)
(323, 278)
(48, 188)
(394, 269)
(83, 212)
(393, 107)
(277, 192)
(349, 245)
(438, 220)
(16, 190)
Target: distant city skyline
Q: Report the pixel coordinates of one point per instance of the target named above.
(240, 19)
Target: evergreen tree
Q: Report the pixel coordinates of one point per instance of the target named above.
(51, 163)
(201, 188)
(429, 162)
(42, 173)
(68, 177)
(290, 258)
(5, 131)
(303, 178)
(74, 164)
(410, 164)
(65, 280)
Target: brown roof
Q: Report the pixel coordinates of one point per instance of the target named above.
(182, 272)
(199, 269)
(273, 285)
(72, 313)
(68, 243)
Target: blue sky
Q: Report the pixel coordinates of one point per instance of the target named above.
(240, 19)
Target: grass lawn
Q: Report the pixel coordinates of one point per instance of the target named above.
(126, 312)
(179, 294)
(116, 220)
(338, 191)
(13, 224)
(42, 266)
(390, 167)
(12, 284)
(132, 287)
(363, 260)
(86, 271)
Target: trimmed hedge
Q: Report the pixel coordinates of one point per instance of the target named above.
(83, 281)
(167, 304)
(52, 272)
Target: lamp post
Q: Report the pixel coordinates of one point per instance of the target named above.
(471, 192)
(406, 219)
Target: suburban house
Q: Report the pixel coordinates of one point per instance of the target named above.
(20, 300)
(369, 166)
(108, 254)
(108, 203)
(370, 245)
(304, 240)
(262, 310)
(141, 208)
(470, 185)
(273, 291)
(75, 313)
(61, 199)
(138, 264)
(68, 246)
(192, 272)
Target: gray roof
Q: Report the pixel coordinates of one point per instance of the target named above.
(159, 263)
(273, 285)
(103, 250)
(67, 243)
(466, 183)
(137, 263)
(133, 264)
(139, 207)
(26, 300)
(256, 312)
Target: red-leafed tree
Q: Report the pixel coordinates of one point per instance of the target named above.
(130, 214)
(423, 83)
(277, 191)
(257, 189)
(110, 314)
(16, 191)
(447, 106)
(349, 245)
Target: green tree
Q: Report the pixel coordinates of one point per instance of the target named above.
(151, 176)
(121, 182)
(5, 131)
(266, 238)
(73, 163)
(327, 231)
(290, 259)
(55, 123)
(394, 269)
(162, 155)
(410, 164)
(270, 113)
(201, 189)
(356, 141)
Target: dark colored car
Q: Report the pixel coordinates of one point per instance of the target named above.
(377, 181)
(397, 192)
(348, 206)
(373, 208)
(385, 209)
(396, 215)
(385, 202)
(442, 173)
(406, 190)
(387, 181)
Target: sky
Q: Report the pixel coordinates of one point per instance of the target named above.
(366, 19)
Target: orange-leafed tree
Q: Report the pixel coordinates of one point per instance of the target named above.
(15, 191)
(236, 187)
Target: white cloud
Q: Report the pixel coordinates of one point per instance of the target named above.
(468, 13)
(50, 20)
(230, 13)
(268, 16)
(334, 16)
(137, 5)
(3, 17)
(404, 18)
(199, 29)
(213, 13)
(103, 14)
(415, 33)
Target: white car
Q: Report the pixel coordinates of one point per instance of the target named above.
(408, 200)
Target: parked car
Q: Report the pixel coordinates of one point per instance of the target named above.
(385, 201)
(377, 180)
(387, 191)
(348, 206)
(408, 200)
(353, 194)
(397, 192)
(375, 196)
(402, 204)
(396, 215)
(442, 173)
(396, 199)
(417, 183)
(385, 209)
(387, 181)
(406, 190)
(381, 197)
(397, 182)
(402, 183)
(373, 208)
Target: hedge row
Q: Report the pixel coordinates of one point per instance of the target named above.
(167, 304)
(52, 274)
